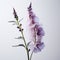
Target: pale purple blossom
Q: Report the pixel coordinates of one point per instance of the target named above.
(36, 32)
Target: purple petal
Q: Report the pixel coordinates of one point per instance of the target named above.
(40, 31)
(38, 47)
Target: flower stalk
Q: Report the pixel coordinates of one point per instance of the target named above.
(21, 30)
(25, 44)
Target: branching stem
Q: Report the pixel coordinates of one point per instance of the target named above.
(23, 39)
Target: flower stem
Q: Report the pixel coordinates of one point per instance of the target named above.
(25, 46)
(24, 40)
(31, 55)
(27, 53)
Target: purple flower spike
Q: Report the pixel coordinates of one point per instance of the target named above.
(37, 32)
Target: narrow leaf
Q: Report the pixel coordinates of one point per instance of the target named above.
(19, 37)
(12, 21)
(18, 45)
(28, 43)
(20, 19)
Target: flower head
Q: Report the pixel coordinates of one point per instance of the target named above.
(37, 31)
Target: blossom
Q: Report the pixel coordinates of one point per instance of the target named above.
(37, 31)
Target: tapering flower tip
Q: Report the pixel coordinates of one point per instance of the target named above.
(31, 14)
(15, 14)
(30, 7)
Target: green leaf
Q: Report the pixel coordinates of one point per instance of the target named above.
(28, 43)
(11, 21)
(20, 20)
(19, 37)
(18, 45)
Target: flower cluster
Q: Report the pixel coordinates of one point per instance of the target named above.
(37, 32)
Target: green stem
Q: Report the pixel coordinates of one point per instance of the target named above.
(21, 33)
(24, 40)
(25, 45)
(27, 53)
(31, 55)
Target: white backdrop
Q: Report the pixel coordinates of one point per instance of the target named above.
(49, 13)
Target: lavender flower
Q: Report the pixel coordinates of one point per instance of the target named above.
(37, 32)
